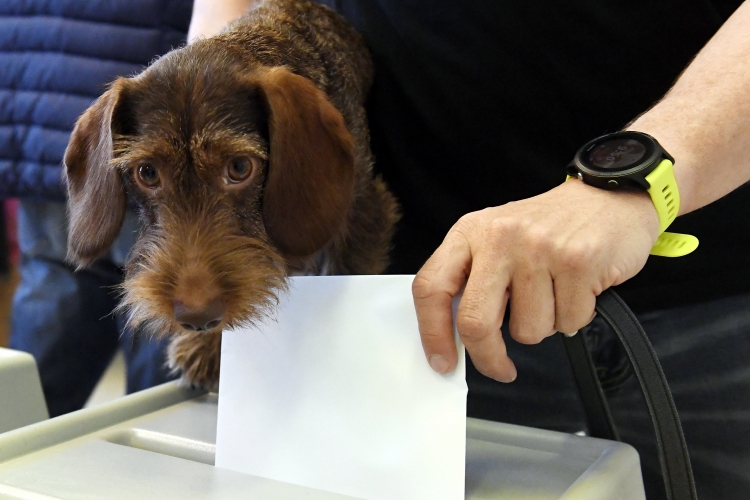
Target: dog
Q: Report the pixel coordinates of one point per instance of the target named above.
(247, 156)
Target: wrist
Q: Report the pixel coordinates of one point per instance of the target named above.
(635, 207)
(685, 158)
(634, 164)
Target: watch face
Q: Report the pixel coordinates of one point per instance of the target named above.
(616, 154)
(618, 159)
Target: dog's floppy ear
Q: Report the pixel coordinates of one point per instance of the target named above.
(310, 181)
(96, 193)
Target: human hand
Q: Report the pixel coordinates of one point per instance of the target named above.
(549, 256)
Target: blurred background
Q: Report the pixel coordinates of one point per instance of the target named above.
(8, 262)
(112, 384)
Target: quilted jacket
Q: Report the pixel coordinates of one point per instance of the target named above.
(56, 58)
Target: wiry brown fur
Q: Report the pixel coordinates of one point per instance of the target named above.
(284, 86)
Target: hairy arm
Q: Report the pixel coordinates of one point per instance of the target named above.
(551, 255)
(704, 121)
(210, 16)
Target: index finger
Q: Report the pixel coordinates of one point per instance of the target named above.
(441, 278)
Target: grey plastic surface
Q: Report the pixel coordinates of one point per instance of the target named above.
(21, 398)
(160, 443)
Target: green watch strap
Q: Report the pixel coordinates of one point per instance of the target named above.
(666, 198)
(674, 245)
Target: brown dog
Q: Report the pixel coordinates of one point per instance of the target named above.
(248, 157)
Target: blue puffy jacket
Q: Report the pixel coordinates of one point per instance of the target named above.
(56, 57)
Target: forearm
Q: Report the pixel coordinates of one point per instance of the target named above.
(704, 121)
(211, 16)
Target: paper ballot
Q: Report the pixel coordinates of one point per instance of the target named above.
(334, 393)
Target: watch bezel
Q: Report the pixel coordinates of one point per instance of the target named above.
(653, 156)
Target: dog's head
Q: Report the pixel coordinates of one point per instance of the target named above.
(236, 168)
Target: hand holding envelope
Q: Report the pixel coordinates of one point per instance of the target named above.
(333, 392)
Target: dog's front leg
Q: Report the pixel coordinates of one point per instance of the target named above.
(196, 356)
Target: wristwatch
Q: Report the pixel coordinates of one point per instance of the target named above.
(634, 160)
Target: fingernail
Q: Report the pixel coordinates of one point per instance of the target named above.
(507, 379)
(439, 363)
(570, 334)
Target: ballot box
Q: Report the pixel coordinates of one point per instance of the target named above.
(160, 443)
(21, 399)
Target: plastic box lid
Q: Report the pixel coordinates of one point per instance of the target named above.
(160, 443)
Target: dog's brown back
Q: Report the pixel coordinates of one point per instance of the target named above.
(329, 52)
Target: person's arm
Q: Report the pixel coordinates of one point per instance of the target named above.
(211, 16)
(705, 118)
(551, 255)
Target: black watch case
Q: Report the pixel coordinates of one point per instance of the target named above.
(618, 160)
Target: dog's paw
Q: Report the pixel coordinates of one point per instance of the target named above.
(196, 357)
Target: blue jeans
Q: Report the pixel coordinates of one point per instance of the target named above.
(705, 352)
(64, 318)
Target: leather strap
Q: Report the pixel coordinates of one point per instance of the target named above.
(598, 417)
(673, 453)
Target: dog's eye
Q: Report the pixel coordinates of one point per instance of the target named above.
(239, 169)
(148, 175)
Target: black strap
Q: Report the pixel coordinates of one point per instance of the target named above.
(673, 453)
(598, 417)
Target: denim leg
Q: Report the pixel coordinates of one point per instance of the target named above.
(704, 352)
(61, 317)
(146, 360)
(64, 318)
(543, 395)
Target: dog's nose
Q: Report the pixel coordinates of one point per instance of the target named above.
(200, 319)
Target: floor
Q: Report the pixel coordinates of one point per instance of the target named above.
(112, 384)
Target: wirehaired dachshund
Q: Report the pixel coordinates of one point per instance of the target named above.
(247, 155)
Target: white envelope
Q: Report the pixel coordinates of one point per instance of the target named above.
(335, 393)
